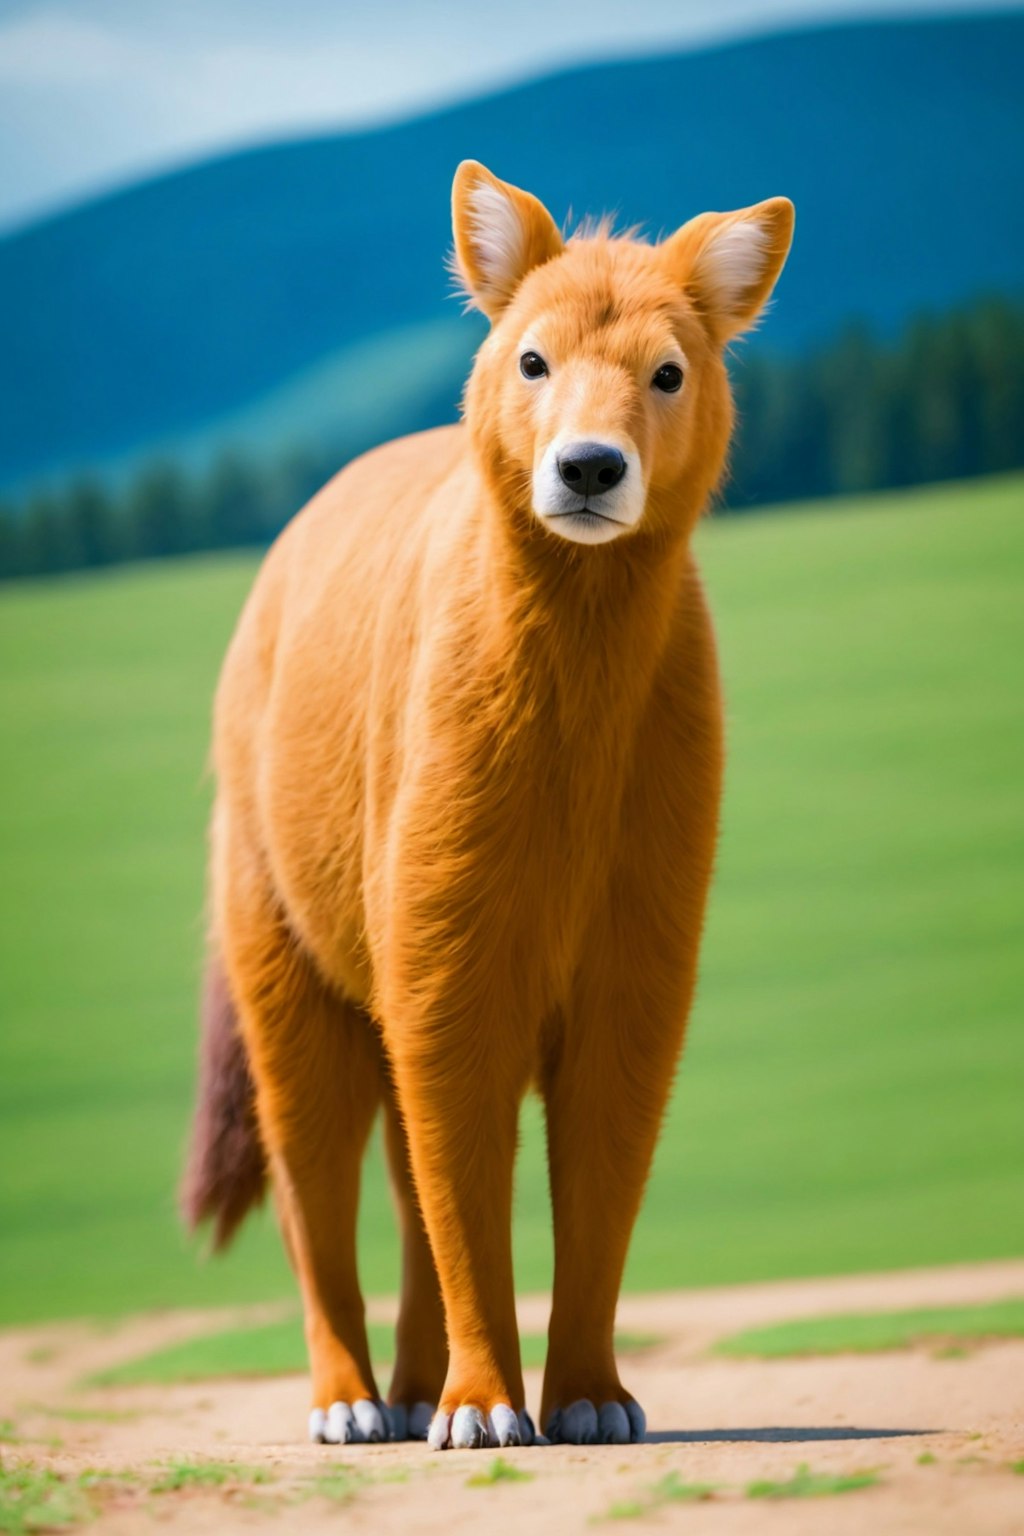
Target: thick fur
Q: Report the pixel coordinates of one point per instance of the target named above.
(468, 776)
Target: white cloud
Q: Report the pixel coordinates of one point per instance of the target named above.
(96, 92)
(54, 47)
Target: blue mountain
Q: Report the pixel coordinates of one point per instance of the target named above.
(296, 292)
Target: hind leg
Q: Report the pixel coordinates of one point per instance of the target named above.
(421, 1359)
(317, 1067)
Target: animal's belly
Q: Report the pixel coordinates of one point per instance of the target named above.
(313, 829)
(326, 911)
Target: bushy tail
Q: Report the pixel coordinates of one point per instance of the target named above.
(227, 1172)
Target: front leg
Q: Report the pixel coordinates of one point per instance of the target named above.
(606, 1078)
(460, 1080)
(610, 1065)
(605, 1086)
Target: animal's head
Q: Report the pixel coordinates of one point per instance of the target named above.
(600, 400)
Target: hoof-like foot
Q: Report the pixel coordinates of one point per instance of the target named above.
(350, 1423)
(583, 1424)
(410, 1423)
(470, 1429)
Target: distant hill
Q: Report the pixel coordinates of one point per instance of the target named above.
(275, 295)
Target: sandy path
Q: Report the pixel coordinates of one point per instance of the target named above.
(717, 1421)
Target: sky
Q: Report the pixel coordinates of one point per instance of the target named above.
(97, 93)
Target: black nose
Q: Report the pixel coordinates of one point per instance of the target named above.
(591, 468)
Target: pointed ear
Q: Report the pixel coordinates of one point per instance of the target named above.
(500, 234)
(730, 262)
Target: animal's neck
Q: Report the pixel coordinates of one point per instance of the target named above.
(579, 629)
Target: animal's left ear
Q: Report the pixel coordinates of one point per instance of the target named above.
(730, 262)
(500, 233)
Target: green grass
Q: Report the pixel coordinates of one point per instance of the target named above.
(274, 1349)
(338, 1484)
(206, 1474)
(499, 1471)
(805, 1484)
(90, 1415)
(865, 1333)
(670, 1489)
(850, 1097)
(34, 1500)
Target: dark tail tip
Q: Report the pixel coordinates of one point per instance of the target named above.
(227, 1171)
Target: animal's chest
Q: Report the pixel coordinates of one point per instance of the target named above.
(503, 844)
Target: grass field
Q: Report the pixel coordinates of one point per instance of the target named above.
(863, 1333)
(278, 1348)
(851, 1095)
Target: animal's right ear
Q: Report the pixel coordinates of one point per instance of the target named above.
(500, 234)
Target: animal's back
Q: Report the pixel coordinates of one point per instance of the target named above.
(328, 628)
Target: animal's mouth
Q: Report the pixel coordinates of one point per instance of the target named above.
(588, 514)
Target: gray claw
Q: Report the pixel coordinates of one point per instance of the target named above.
(637, 1422)
(437, 1434)
(371, 1420)
(342, 1427)
(579, 1423)
(613, 1427)
(504, 1426)
(469, 1429)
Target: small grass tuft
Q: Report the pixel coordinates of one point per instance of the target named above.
(805, 1484)
(36, 1500)
(207, 1474)
(89, 1415)
(926, 1459)
(672, 1490)
(626, 1509)
(1018, 1467)
(339, 1484)
(499, 1471)
(669, 1489)
(41, 1354)
(105, 1478)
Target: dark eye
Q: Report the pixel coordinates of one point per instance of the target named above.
(532, 366)
(668, 378)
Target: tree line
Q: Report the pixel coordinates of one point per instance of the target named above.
(163, 510)
(943, 402)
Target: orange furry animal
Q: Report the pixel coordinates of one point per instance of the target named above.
(468, 755)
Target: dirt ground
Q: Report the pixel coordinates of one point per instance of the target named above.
(940, 1432)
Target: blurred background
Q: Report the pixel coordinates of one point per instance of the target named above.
(222, 241)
